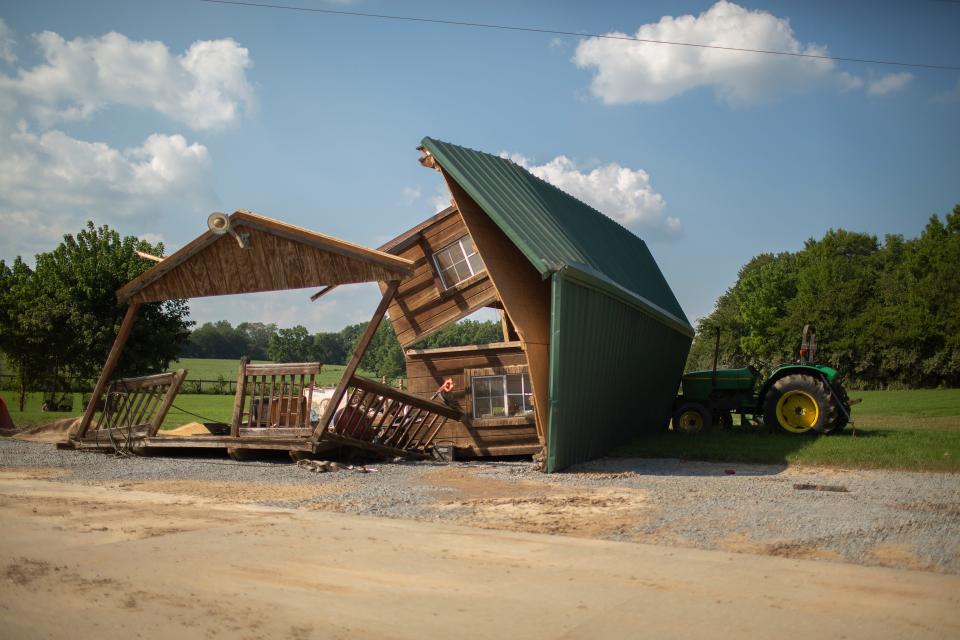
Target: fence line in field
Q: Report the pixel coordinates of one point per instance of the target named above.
(190, 385)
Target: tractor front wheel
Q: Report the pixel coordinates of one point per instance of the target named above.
(799, 404)
(691, 417)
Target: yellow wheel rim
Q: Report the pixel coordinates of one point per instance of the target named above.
(691, 421)
(797, 411)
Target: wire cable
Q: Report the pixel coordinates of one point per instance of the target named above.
(579, 34)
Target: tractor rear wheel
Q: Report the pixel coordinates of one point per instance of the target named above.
(801, 403)
(691, 417)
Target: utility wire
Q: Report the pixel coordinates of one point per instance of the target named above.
(483, 25)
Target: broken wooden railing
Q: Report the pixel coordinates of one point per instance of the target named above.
(380, 418)
(132, 407)
(274, 399)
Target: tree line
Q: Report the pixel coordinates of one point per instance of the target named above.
(887, 313)
(384, 356)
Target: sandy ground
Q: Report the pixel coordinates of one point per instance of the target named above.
(122, 562)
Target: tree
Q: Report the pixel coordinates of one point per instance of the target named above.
(257, 336)
(330, 348)
(61, 317)
(886, 314)
(291, 345)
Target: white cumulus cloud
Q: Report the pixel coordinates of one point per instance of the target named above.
(51, 183)
(622, 193)
(647, 72)
(889, 83)
(7, 43)
(205, 87)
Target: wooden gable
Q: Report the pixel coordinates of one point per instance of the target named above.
(277, 256)
(423, 305)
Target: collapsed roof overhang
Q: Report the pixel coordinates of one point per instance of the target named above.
(274, 256)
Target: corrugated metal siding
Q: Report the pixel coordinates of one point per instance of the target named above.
(552, 228)
(614, 370)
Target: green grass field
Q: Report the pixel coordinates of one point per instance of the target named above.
(212, 368)
(910, 430)
(216, 408)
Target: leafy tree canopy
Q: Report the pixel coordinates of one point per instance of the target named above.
(59, 319)
(886, 314)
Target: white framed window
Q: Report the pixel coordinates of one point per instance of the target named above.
(502, 396)
(457, 262)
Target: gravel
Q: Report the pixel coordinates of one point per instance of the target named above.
(884, 517)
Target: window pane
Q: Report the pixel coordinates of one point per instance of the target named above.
(458, 261)
(476, 263)
(481, 408)
(449, 277)
(515, 383)
(496, 387)
(496, 406)
(444, 259)
(481, 387)
(463, 271)
(528, 402)
(515, 405)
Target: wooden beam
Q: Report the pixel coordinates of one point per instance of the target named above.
(354, 362)
(148, 256)
(327, 289)
(239, 397)
(114, 356)
(172, 392)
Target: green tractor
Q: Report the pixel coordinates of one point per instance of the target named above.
(801, 397)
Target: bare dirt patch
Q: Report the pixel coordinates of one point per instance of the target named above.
(230, 491)
(898, 555)
(31, 473)
(597, 514)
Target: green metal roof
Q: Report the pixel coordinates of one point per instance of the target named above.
(555, 231)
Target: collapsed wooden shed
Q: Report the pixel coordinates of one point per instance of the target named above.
(594, 340)
(273, 407)
(593, 347)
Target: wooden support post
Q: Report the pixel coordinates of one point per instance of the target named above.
(108, 368)
(164, 407)
(239, 397)
(354, 362)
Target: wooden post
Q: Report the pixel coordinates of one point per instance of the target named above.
(239, 397)
(354, 362)
(164, 407)
(108, 368)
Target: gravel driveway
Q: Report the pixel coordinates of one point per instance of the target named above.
(908, 520)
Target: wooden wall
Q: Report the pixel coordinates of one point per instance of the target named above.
(428, 368)
(422, 306)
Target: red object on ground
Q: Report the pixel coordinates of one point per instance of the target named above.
(729, 472)
(6, 422)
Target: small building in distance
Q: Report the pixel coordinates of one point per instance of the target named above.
(594, 341)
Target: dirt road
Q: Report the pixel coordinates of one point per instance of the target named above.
(93, 561)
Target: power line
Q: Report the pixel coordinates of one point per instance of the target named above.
(502, 27)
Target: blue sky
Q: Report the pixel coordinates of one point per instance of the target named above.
(147, 116)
